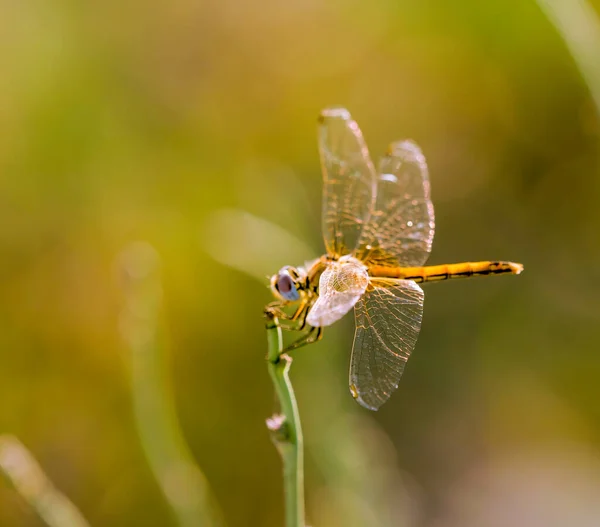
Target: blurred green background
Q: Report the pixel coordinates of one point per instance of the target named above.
(141, 121)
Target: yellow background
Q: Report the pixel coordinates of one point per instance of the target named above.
(141, 121)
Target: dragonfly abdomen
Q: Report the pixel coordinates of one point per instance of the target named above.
(432, 273)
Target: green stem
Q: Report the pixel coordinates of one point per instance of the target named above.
(578, 24)
(286, 429)
(183, 484)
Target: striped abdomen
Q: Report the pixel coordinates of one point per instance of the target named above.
(432, 273)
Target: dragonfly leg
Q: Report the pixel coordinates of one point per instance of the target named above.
(293, 322)
(312, 335)
(273, 310)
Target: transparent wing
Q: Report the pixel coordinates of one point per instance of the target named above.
(388, 320)
(349, 181)
(340, 287)
(401, 226)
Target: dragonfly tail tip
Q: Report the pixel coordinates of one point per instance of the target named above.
(516, 268)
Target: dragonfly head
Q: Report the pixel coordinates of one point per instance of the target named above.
(288, 283)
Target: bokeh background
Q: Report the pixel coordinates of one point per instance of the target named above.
(182, 124)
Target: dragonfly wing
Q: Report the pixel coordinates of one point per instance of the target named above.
(401, 226)
(349, 180)
(340, 287)
(388, 320)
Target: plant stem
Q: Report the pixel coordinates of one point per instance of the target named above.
(579, 25)
(183, 484)
(285, 428)
(22, 470)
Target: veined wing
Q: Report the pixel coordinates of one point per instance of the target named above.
(388, 320)
(340, 287)
(349, 181)
(401, 226)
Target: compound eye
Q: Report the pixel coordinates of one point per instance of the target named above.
(287, 288)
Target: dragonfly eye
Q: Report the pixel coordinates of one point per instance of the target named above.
(287, 288)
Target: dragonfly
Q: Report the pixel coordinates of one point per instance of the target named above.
(378, 226)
